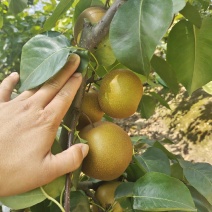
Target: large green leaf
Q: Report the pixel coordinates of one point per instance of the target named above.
(154, 160)
(165, 72)
(178, 5)
(135, 32)
(192, 14)
(201, 203)
(61, 8)
(160, 192)
(24, 200)
(199, 175)
(17, 6)
(42, 57)
(189, 53)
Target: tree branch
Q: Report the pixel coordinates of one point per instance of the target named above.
(67, 139)
(92, 36)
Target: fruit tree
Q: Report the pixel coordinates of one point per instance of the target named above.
(126, 47)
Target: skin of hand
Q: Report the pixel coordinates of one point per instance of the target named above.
(28, 128)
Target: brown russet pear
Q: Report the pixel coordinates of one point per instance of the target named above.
(105, 194)
(110, 150)
(120, 93)
(91, 111)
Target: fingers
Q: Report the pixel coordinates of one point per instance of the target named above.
(25, 95)
(48, 91)
(62, 101)
(66, 161)
(7, 86)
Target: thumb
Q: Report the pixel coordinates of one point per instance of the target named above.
(68, 160)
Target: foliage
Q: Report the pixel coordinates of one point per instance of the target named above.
(166, 43)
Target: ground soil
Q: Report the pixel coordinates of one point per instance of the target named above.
(188, 124)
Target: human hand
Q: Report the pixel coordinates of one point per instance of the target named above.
(28, 128)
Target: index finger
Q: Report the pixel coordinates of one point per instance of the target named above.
(50, 89)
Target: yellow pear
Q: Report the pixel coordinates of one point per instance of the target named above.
(110, 150)
(105, 195)
(120, 93)
(91, 111)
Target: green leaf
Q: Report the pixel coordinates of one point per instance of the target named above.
(79, 202)
(201, 203)
(192, 14)
(42, 57)
(159, 192)
(160, 99)
(61, 9)
(154, 160)
(165, 72)
(199, 175)
(208, 88)
(43, 206)
(140, 28)
(17, 6)
(178, 5)
(1, 21)
(124, 190)
(122, 194)
(189, 53)
(147, 106)
(177, 171)
(134, 172)
(170, 155)
(24, 200)
(84, 60)
(54, 188)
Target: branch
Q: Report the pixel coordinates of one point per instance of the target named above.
(67, 140)
(92, 36)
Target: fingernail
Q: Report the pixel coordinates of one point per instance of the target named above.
(72, 58)
(84, 149)
(14, 74)
(77, 74)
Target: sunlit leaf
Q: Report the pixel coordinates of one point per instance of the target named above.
(178, 5)
(189, 53)
(61, 9)
(148, 20)
(160, 192)
(208, 88)
(42, 57)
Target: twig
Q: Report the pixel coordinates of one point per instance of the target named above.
(67, 139)
(92, 36)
